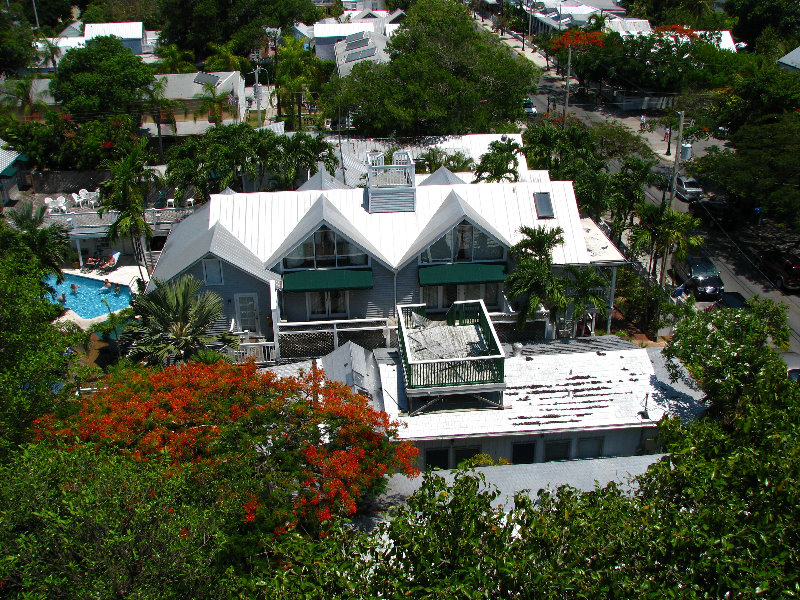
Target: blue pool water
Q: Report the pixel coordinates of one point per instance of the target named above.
(87, 302)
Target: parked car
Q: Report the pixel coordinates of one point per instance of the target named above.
(715, 212)
(529, 108)
(732, 300)
(782, 268)
(792, 360)
(699, 276)
(687, 189)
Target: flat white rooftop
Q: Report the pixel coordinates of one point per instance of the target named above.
(546, 392)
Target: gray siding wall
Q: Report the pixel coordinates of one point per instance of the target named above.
(408, 284)
(236, 282)
(375, 303)
(294, 306)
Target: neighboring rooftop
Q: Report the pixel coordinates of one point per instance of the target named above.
(512, 479)
(790, 61)
(604, 383)
(126, 31)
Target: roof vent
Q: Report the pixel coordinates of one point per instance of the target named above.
(544, 205)
(203, 78)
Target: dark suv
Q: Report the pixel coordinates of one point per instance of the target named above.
(782, 268)
(699, 276)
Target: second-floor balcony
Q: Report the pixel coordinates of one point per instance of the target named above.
(88, 223)
(459, 354)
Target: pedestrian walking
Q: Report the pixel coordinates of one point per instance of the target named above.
(642, 123)
(667, 132)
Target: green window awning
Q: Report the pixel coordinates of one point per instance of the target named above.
(317, 280)
(9, 171)
(461, 273)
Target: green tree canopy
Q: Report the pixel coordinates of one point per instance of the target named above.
(101, 79)
(16, 41)
(444, 77)
(194, 24)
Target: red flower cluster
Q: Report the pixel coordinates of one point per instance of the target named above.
(329, 445)
(677, 31)
(579, 40)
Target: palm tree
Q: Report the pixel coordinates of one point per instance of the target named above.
(50, 245)
(213, 103)
(629, 184)
(225, 59)
(172, 322)
(434, 158)
(49, 50)
(125, 193)
(660, 229)
(532, 281)
(174, 60)
(19, 93)
(596, 22)
(582, 290)
(301, 152)
(297, 71)
(500, 163)
(161, 109)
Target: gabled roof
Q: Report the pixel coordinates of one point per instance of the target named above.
(192, 239)
(269, 223)
(323, 212)
(7, 157)
(452, 211)
(442, 176)
(322, 180)
(127, 31)
(355, 367)
(791, 61)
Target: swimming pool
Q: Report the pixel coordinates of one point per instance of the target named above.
(87, 302)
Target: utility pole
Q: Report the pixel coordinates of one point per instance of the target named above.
(258, 93)
(675, 166)
(673, 183)
(35, 13)
(566, 83)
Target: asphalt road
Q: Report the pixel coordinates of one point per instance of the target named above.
(732, 251)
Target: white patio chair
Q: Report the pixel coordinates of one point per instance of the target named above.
(170, 202)
(60, 204)
(93, 200)
(83, 192)
(77, 200)
(190, 202)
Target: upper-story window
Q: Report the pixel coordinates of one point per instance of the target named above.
(325, 249)
(212, 271)
(463, 243)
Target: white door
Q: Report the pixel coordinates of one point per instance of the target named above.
(247, 312)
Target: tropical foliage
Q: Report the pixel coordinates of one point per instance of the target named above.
(20, 94)
(444, 77)
(49, 245)
(60, 142)
(499, 163)
(172, 322)
(213, 104)
(125, 194)
(532, 283)
(434, 158)
(104, 78)
(232, 155)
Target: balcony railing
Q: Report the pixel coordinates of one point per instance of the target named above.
(466, 370)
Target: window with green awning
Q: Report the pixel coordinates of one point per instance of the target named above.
(462, 273)
(316, 280)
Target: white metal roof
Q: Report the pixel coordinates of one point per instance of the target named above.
(133, 30)
(584, 391)
(7, 157)
(327, 30)
(181, 86)
(264, 221)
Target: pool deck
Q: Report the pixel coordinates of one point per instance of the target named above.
(125, 274)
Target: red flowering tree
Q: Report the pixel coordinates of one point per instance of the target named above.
(289, 452)
(579, 39)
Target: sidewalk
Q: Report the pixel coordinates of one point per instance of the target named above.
(653, 136)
